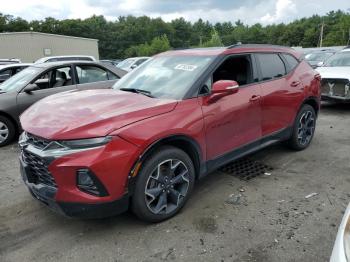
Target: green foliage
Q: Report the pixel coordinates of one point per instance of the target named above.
(214, 41)
(158, 45)
(134, 36)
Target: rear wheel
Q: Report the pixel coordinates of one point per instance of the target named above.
(163, 185)
(304, 128)
(7, 131)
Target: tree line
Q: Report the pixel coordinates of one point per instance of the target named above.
(138, 36)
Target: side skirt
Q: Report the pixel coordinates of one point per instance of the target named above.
(247, 149)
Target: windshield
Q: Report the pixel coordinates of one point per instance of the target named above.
(126, 63)
(166, 76)
(20, 79)
(339, 59)
(318, 56)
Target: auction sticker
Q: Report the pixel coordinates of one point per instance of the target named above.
(185, 67)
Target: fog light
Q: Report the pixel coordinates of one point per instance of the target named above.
(88, 183)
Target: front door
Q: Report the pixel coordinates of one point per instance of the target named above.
(48, 83)
(234, 120)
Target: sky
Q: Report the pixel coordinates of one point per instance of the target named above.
(248, 11)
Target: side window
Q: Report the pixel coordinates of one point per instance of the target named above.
(57, 77)
(292, 62)
(91, 74)
(18, 69)
(271, 66)
(238, 68)
(139, 62)
(111, 76)
(5, 74)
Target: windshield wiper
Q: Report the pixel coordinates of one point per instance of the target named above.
(138, 91)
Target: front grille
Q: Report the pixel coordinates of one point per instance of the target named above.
(335, 87)
(38, 169)
(37, 142)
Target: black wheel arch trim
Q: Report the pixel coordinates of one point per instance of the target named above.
(196, 155)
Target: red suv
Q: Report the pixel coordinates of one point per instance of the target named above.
(171, 121)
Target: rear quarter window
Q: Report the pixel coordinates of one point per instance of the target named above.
(271, 66)
(291, 62)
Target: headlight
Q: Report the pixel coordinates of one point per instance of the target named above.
(86, 143)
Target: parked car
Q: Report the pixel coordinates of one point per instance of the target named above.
(164, 126)
(9, 61)
(317, 57)
(65, 58)
(335, 74)
(7, 71)
(131, 63)
(341, 249)
(110, 62)
(41, 80)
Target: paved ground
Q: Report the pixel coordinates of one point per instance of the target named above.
(270, 221)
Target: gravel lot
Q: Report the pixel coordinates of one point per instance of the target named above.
(269, 218)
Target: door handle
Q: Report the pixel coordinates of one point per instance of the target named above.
(254, 98)
(295, 83)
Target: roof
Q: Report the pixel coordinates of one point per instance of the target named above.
(14, 65)
(234, 49)
(45, 34)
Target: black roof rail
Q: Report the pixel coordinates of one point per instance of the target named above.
(256, 45)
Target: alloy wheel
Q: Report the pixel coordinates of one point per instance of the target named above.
(167, 186)
(4, 132)
(306, 127)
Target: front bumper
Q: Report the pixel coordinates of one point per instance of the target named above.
(326, 97)
(53, 180)
(46, 195)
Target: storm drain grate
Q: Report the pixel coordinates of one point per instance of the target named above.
(246, 168)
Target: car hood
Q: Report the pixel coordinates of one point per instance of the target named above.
(334, 72)
(92, 113)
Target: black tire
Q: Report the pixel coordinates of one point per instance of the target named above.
(298, 142)
(6, 125)
(145, 205)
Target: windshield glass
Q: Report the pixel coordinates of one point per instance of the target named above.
(20, 79)
(166, 76)
(339, 59)
(126, 63)
(318, 56)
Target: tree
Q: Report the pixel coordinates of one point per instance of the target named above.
(158, 45)
(214, 41)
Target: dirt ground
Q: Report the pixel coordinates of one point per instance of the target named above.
(227, 219)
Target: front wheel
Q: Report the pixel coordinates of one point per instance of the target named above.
(163, 185)
(7, 131)
(304, 128)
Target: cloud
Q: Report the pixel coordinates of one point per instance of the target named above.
(248, 11)
(283, 9)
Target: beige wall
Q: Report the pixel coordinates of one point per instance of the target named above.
(29, 46)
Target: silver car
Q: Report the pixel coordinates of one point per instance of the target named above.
(41, 80)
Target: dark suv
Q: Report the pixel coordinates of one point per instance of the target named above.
(168, 123)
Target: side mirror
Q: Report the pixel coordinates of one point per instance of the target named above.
(30, 88)
(222, 88)
(319, 64)
(133, 66)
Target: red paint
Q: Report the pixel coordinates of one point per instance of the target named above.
(136, 122)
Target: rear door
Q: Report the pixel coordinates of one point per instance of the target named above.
(50, 82)
(278, 94)
(94, 77)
